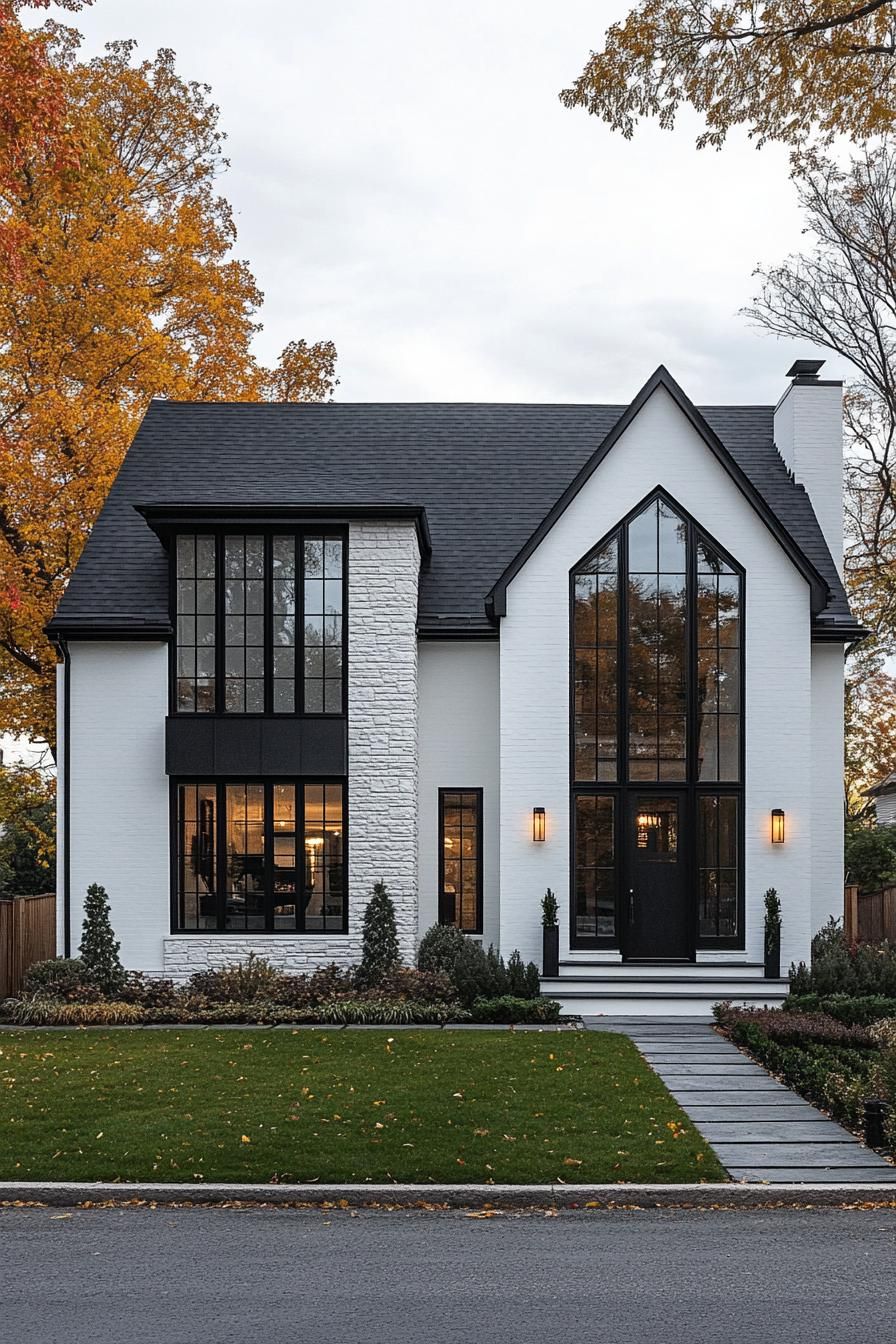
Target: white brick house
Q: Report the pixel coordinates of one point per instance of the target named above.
(475, 651)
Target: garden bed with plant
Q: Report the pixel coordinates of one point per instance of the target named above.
(455, 980)
(834, 1038)
(320, 1105)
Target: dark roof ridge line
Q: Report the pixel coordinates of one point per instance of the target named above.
(496, 600)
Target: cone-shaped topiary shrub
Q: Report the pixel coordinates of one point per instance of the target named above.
(99, 947)
(379, 946)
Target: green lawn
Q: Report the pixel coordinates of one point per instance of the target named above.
(339, 1106)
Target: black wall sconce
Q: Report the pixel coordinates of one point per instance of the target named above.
(538, 823)
(777, 826)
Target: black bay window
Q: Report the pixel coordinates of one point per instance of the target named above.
(260, 857)
(657, 728)
(260, 623)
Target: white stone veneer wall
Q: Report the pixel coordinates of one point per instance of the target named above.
(384, 562)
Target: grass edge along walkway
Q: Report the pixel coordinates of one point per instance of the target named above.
(382, 1106)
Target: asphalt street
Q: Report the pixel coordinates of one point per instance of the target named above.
(169, 1276)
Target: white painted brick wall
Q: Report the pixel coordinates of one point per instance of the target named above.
(659, 448)
(459, 717)
(809, 437)
(119, 793)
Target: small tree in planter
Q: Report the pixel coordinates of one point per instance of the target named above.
(772, 935)
(99, 946)
(550, 935)
(379, 955)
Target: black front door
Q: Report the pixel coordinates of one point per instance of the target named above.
(657, 918)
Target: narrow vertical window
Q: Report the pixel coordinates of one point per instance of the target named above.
(595, 866)
(283, 605)
(657, 644)
(243, 625)
(718, 691)
(197, 856)
(323, 582)
(285, 835)
(324, 897)
(460, 858)
(717, 864)
(195, 610)
(596, 594)
(245, 867)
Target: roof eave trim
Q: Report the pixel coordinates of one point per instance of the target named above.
(165, 519)
(838, 633)
(103, 628)
(496, 601)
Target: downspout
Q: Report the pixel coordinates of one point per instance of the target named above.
(66, 796)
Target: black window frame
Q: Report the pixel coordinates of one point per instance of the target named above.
(478, 794)
(268, 531)
(300, 782)
(623, 786)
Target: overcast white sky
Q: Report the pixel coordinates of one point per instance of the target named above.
(407, 184)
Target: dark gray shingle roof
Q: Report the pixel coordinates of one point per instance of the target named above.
(487, 474)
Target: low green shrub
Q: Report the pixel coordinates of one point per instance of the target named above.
(523, 980)
(861, 1010)
(389, 1012)
(240, 982)
(834, 1077)
(510, 1008)
(789, 1026)
(421, 986)
(837, 967)
(884, 1074)
(61, 978)
(439, 948)
(149, 991)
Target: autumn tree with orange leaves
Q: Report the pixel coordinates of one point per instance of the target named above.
(779, 69)
(119, 283)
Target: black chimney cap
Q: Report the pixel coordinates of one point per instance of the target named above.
(805, 368)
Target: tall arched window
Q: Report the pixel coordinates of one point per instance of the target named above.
(657, 733)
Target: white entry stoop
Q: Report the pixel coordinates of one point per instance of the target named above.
(651, 989)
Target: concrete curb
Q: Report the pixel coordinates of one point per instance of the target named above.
(72, 1194)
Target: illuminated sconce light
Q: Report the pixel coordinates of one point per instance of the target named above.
(777, 826)
(538, 823)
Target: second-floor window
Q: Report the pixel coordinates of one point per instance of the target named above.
(260, 623)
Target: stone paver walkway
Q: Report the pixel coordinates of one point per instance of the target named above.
(760, 1130)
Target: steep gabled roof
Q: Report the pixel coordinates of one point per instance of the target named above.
(663, 379)
(486, 475)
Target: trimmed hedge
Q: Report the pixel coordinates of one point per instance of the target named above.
(862, 1010)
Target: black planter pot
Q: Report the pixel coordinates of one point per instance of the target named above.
(550, 950)
(773, 955)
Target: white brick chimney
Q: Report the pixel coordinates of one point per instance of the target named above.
(809, 437)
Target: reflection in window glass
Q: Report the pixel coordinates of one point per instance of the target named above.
(324, 866)
(197, 856)
(283, 624)
(244, 841)
(596, 618)
(717, 864)
(718, 691)
(460, 896)
(657, 644)
(195, 615)
(323, 574)
(244, 625)
(595, 866)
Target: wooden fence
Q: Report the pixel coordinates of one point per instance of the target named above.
(869, 916)
(27, 934)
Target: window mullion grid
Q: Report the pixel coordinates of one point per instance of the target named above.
(219, 623)
(268, 651)
(300, 854)
(300, 636)
(220, 853)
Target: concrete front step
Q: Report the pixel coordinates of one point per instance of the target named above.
(648, 1003)
(646, 996)
(575, 969)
